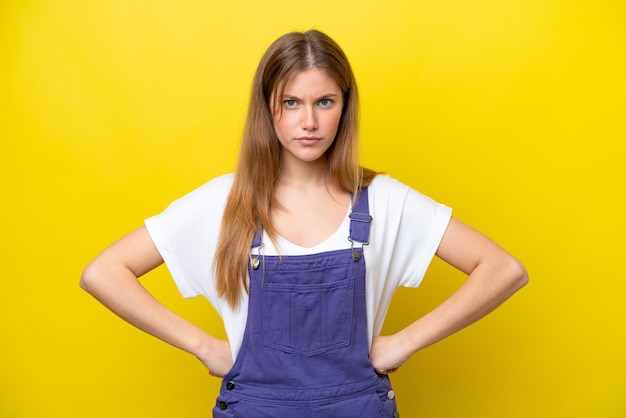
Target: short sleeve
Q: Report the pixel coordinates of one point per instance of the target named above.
(186, 235)
(423, 223)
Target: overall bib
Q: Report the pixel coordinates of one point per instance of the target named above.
(305, 351)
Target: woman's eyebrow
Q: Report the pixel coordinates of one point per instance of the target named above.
(321, 96)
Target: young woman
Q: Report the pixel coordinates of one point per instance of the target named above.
(300, 252)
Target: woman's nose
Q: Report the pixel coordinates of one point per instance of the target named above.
(309, 119)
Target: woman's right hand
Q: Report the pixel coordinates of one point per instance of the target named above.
(217, 358)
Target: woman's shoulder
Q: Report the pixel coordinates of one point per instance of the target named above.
(220, 183)
(385, 184)
(212, 194)
(388, 191)
(214, 188)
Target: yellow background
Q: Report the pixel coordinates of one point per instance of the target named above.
(510, 112)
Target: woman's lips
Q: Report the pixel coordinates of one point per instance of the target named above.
(308, 140)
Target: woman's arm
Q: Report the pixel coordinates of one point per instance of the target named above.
(112, 278)
(494, 275)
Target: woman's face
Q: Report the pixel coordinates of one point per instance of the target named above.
(306, 117)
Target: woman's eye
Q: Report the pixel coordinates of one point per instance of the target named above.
(325, 102)
(290, 103)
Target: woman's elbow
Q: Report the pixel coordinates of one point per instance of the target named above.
(86, 278)
(517, 273)
(91, 277)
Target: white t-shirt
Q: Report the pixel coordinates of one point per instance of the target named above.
(406, 230)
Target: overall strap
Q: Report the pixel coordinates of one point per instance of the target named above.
(360, 223)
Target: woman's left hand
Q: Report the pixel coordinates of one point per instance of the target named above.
(388, 353)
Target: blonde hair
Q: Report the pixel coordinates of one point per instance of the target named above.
(250, 201)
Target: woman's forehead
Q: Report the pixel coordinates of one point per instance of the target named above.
(310, 79)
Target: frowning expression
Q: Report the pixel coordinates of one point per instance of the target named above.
(307, 116)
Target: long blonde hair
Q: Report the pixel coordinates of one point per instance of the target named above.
(250, 201)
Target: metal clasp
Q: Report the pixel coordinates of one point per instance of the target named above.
(254, 262)
(357, 252)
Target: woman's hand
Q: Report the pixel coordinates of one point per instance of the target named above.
(388, 353)
(218, 358)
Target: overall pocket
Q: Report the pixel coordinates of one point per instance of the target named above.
(308, 319)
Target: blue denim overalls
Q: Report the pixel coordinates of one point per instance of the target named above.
(305, 351)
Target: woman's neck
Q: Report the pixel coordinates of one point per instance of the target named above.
(304, 174)
(309, 204)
